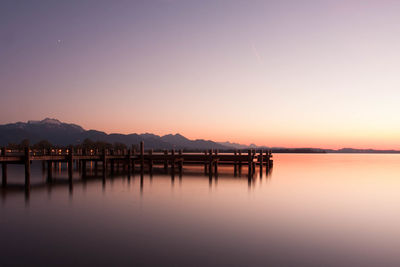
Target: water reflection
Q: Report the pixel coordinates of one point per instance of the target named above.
(141, 182)
(316, 210)
(57, 176)
(70, 190)
(27, 195)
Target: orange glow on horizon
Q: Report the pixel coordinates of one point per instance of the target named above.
(302, 138)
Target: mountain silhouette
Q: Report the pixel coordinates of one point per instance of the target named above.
(63, 134)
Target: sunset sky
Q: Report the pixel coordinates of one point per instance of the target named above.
(277, 73)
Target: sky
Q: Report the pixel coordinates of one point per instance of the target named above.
(277, 73)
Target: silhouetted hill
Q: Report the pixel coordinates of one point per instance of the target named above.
(63, 134)
(199, 144)
(233, 145)
(48, 129)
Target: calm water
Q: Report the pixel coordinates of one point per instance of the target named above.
(312, 210)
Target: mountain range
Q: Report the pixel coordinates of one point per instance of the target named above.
(63, 134)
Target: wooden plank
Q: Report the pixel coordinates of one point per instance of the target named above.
(9, 159)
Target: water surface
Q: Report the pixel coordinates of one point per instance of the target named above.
(311, 210)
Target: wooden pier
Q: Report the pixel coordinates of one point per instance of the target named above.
(106, 161)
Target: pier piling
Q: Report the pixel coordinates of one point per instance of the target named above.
(104, 160)
(27, 167)
(173, 161)
(70, 162)
(4, 168)
(180, 161)
(261, 160)
(250, 162)
(141, 157)
(166, 161)
(216, 162)
(83, 162)
(150, 161)
(210, 162)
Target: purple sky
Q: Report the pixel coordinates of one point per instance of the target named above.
(279, 73)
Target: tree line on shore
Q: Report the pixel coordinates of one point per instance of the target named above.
(86, 144)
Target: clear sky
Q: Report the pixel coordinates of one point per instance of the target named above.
(278, 73)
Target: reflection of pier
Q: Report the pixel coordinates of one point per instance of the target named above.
(61, 182)
(110, 161)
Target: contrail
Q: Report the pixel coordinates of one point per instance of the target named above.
(256, 54)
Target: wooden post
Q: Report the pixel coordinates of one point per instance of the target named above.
(133, 158)
(112, 165)
(124, 162)
(4, 168)
(172, 166)
(141, 157)
(235, 163)
(216, 162)
(261, 159)
(253, 163)
(80, 161)
(173, 161)
(151, 161)
(250, 171)
(77, 161)
(180, 161)
(240, 163)
(43, 162)
(104, 159)
(120, 164)
(129, 162)
(70, 162)
(269, 159)
(27, 167)
(205, 162)
(210, 164)
(166, 160)
(49, 167)
(117, 161)
(84, 163)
